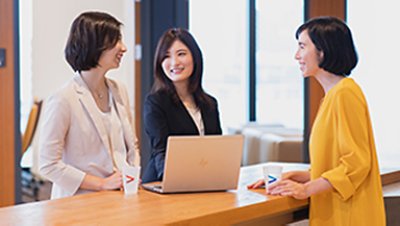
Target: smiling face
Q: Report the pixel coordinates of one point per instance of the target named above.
(307, 55)
(178, 63)
(111, 58)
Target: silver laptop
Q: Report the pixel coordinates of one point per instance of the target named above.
(200, 163)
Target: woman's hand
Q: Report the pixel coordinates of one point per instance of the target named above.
(299, 190)
(289, 188)
(112, 182)
(298, 176)
(256, 184)
(95, 183)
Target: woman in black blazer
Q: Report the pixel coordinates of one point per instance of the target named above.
(177, 104)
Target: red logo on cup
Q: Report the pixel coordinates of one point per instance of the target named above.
(129, 179)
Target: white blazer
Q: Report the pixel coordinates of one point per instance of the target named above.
(74, 142)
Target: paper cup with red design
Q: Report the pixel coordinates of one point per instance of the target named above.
(130, 178)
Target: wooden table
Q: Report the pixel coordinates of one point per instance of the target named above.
(241, 207)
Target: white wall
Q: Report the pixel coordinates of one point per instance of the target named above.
(25, 29)
(51, 25)
(376, 33)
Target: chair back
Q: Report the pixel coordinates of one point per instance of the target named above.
(31, 126)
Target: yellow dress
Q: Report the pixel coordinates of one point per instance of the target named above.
(342, 150)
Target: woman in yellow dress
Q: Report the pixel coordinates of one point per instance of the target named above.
(344, 182)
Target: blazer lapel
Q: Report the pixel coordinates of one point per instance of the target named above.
(190, 121)
(123, 111)
(87, 101)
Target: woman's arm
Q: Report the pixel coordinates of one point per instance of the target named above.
(112, 182)
(298, 190)
(156, 127)
(353, 136)
(298, 176)
(55, 124)
(219, 129)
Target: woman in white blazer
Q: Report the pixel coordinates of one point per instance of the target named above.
(87, 134)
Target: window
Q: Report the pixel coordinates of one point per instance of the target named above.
(279, 97)
(222, 30)
(376, 32)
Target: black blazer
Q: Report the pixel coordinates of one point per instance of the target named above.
(162, 118)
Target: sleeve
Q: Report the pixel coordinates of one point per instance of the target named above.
(353, 144)
(219, 130)
(55, 125)
(156, 126)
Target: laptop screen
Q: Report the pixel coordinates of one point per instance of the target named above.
(202, 163)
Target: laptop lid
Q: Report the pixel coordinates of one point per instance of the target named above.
(202, 163)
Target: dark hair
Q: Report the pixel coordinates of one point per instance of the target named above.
(332, 36)
(163, 83)
(91, 33)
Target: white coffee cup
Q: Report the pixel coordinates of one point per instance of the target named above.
(271, 174)
(130, 178)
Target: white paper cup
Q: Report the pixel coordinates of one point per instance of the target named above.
(271, 173)
(130, 178)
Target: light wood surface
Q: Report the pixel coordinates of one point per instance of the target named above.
(240, 207)
(390, 176)
(147, 208)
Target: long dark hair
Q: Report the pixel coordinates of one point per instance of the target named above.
(163, 83)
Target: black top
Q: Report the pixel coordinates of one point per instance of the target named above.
(162, 118)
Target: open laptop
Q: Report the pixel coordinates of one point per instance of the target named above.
(200, 163)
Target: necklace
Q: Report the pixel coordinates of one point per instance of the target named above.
(96, 94)
(100, 95)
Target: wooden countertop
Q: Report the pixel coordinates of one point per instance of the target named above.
(147, 208)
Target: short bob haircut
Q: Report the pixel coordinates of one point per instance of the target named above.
(91, 33)
(332, 36)
(163, 83)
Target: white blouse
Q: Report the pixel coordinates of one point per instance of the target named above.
(115, 135)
